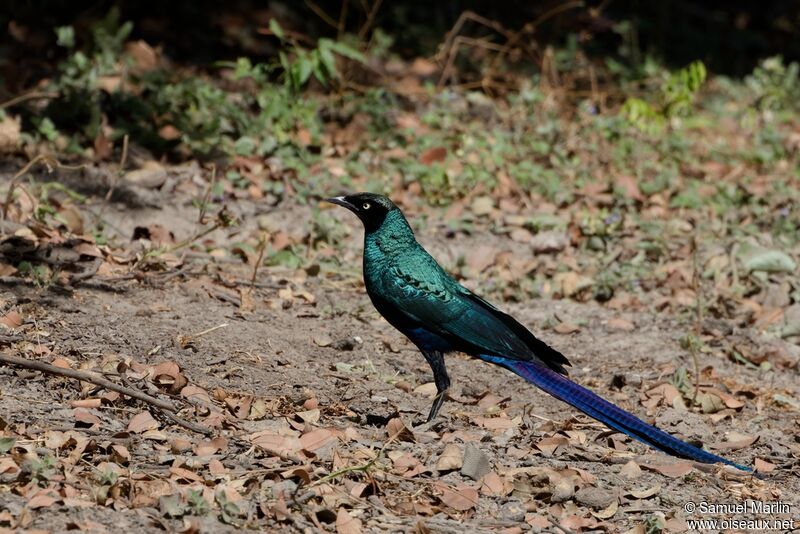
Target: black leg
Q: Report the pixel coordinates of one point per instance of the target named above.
(436, 361)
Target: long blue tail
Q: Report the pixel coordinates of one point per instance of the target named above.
(615, 417)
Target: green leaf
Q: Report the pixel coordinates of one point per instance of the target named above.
(66, 36)
(756, 258)
(328, 61)
(276, 29)
(347, 51)
(304, 69)
(6, 444)
(171, 505)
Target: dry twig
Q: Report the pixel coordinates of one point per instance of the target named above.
(170, 410)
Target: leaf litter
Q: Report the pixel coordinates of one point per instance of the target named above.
(302, 432)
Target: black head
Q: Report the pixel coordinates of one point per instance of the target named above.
(369, 207)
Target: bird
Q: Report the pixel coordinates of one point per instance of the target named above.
(439, 315)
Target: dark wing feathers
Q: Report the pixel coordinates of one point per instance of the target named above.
(422, 292)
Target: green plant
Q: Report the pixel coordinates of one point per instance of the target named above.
(300, 63)
(674, 99)
(775, 85)
(43, 469)
(82, 75)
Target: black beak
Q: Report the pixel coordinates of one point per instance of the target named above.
(341, 201)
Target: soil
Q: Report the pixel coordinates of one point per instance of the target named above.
(324, 343)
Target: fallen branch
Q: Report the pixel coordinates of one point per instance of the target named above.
(86, 377)
(170, 410)
(194, 427)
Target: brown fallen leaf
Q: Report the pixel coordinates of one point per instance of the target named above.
(492, 485)
(216, 468)
(85, 417)
(461, 498)
(736, 441)
(168, 376)
(395, 428)
(674, 470)
(644, 493)
(196, 394)
(316, 439)
(631, 470)
(181, 473)
(433, 155)
(549, 445)
(180, 445)
(211, 446)
(42, 499)
(621, 325)
(11, 320)
(275, 443)
(608, 512)
(501, 422)
(763, 466)
(566, 328)
(86, 403)
(120, 454)
(346, 523)
(142, 422)
(450, 459)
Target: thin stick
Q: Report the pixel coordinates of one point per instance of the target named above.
(212, 329)
(86, 377)
(321, 14)
(169, 410)
(33, 95)
(194, 427)
(342, 20)
(261, 246)
(362, 33)
(698, 319)
(122, 160)
(204, 203)
(49, 161)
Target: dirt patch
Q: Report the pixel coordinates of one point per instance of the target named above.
(312, 351)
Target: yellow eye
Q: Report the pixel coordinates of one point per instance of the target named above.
(366, 205)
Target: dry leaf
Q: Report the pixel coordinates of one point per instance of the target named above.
(316, 439)
(502, 422)
(608, 512)
(433, 155)
(347, 524)
(549, 445)
(674, 470)
(450, 459)
(11, 320)
(275, 443)
(619, 324)
(566, 328)
(631, 470)
(426, 390)
(41, 500)
(216, 468)
(493, 485)
(396, 428)
(736, 441)
(762, 466)
(142, 422)
(196, 394)
(645, 493)
(462, 498)
(212, 446)
(84, 416)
